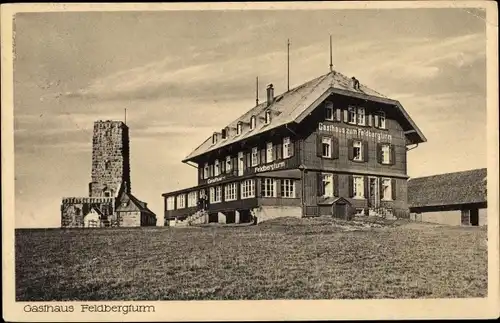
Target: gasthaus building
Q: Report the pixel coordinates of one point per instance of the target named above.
(331, 146)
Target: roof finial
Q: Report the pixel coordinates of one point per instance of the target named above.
(331, 63)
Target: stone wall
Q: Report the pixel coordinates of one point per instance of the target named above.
(110, 158)
(74, 210)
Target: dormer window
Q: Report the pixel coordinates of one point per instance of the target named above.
(224, 133)
(252, 123)
(214, 138)
(268, 117)
(238, 128)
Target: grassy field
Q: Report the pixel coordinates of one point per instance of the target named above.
(279, 259)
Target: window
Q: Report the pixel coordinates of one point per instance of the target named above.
(327, 147)
(181, 201)
(358, 186)
(171, 203)
(224, 133)
(386, 189)
(327, 185)
(216, 168)
(380, 120)
(247, 189)
(288, 188)
(357, 150)
(214, 138)
(230, 192)
(386, 153)
(351, 115)
(252, 123)
(238, 128)
(228, 164)
(268, 187)
(269, 152)
(268, 117)
(329, 111)
(240, 163)
(287, 148)
(255, 155)
(205, 171)
(192, 199)
(361, 116)
(215, 194)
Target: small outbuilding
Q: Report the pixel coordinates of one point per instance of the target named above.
(457, 198)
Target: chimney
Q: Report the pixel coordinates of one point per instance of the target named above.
(355, 83)
(270, 94)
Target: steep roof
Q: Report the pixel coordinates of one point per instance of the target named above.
(295, 104)
(448, 189)
(132, 204)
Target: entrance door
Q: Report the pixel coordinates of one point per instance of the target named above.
(373, 192)
(474, 217)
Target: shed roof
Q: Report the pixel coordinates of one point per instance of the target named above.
(295, 104)
(448, 189)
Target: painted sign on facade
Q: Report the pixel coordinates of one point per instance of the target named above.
(267, 168)
(215, 180)
(355, 132)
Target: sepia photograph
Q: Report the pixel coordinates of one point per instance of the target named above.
(241, 154)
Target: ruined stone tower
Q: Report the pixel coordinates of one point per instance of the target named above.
(110, 159)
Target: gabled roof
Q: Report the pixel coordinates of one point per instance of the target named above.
(133, 204)
(448, 189)
(295, 104)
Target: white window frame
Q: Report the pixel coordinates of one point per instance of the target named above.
(214, 138)
(230, 192)
(216, 168)
(192, 199)
(327, 178)
(329, 110)
(288, 188)
(253, 122)
(386, 155)
(357, 144)
(386, 184)
(358, 187)
(268, 187)
(267, 117)
(255, 156)
(228, 164)
(205, 171)
(215, 194)
(239, 127)
(241, 163)
(170, 203)
(352, 114)
(181, 201)
(247, 189)
(326, 141)
(269, 152)
(361, 118)
(286, 145)
(381, 120)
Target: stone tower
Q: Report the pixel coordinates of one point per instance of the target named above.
(110, 159)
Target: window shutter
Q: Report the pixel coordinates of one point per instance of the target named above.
(366, 184)
(319, 145)
(370, 119)
(346, 117)
(393, 154)
(393, 188)
(366, 153)
(381, 187)
(258, 157)
(279, 152)
(258, 186)
(263, 156)
(338, 114)
(234, 161)
(336, 184)
(351, 186)
(335, 147)
(275, 152)
(379, 153)
(350, 148)
(291, 149)
(277, 185)
(200, 171)
(319, 184)
(375, 121)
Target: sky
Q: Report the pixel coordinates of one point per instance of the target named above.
(181, 75)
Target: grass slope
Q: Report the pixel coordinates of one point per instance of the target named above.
(281, 259)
